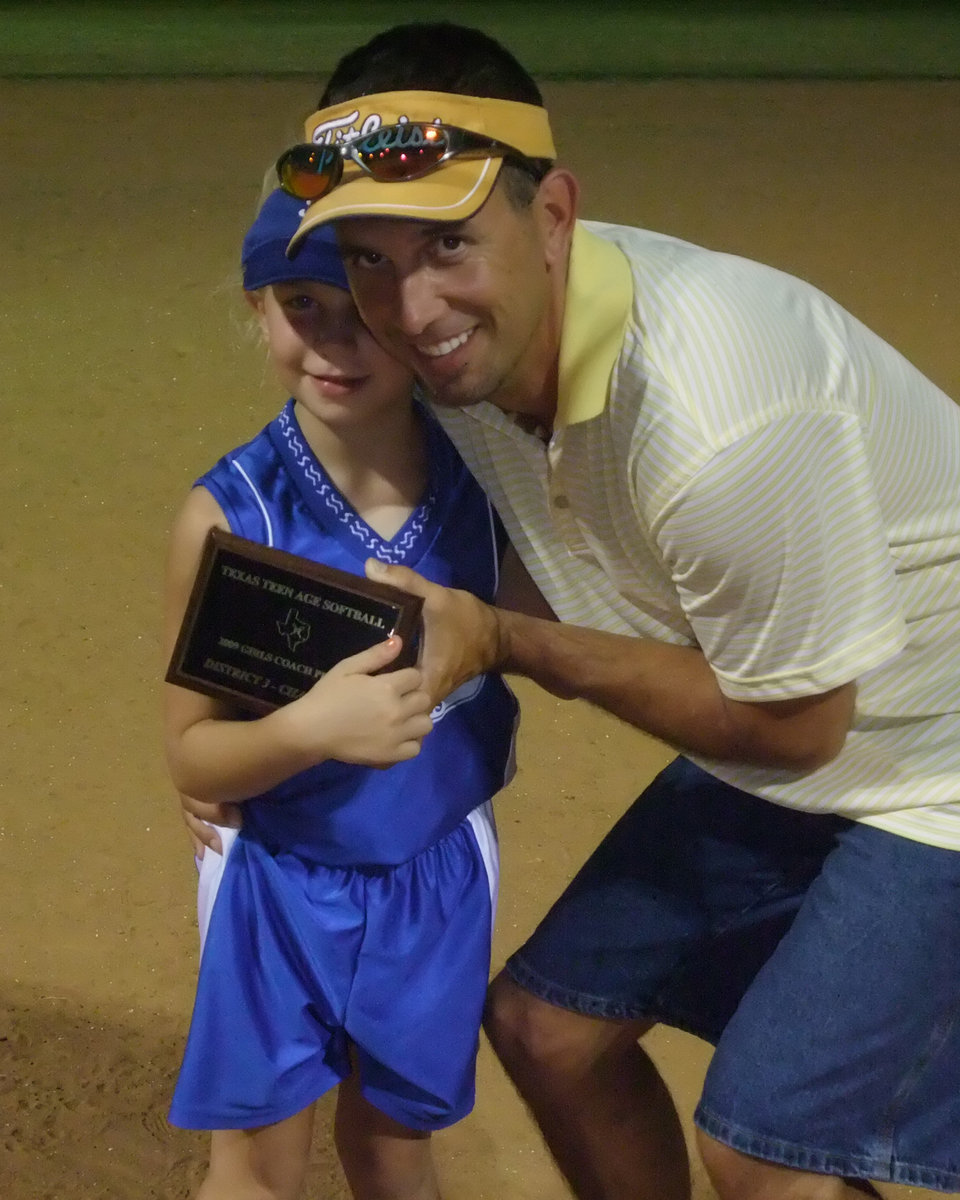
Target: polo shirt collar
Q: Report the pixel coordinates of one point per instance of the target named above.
(598, 304)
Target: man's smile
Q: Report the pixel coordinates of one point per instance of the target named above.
(441, 349)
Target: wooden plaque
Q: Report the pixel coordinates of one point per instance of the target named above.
(262, 626)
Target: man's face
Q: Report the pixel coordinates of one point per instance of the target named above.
(469, 307)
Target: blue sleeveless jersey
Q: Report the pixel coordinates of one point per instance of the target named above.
(273, 490)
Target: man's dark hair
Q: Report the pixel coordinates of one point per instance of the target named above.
(443, 57)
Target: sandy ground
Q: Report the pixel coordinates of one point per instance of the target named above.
(125, 371)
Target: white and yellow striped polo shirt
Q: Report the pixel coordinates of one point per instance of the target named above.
(739, 464)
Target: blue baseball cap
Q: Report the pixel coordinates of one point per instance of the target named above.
(264, 255)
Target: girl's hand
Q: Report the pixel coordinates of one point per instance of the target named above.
(357, 716)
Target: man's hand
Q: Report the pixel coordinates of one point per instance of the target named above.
(462, 635)
(200, 820)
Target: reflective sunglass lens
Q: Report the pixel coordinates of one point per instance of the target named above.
(309, 172)
(401, 152)
(390, 154)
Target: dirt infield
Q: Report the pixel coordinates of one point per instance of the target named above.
(126, 370)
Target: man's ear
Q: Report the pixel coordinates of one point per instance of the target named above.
(557, 200)
(256, 302)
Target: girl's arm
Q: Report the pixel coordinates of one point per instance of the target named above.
(350, 714)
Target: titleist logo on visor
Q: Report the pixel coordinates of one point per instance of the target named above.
(345, 129)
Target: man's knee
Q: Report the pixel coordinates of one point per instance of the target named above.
(529, 1034)
(738, 1176)
(513, 1022)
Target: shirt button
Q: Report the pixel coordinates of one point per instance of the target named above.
(561, 501)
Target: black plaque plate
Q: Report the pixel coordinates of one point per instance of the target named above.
(262, 626)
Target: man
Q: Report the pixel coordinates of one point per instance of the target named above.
(743, 508)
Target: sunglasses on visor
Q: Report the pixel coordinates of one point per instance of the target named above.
(390, 154)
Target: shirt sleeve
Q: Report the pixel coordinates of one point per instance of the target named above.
(777, 548)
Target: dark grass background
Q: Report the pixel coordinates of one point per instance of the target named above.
(555, 39)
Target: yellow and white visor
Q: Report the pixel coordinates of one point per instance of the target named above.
(427, 156)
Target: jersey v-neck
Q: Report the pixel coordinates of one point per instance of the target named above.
(334, 513)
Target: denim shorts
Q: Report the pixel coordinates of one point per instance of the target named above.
(819, 955)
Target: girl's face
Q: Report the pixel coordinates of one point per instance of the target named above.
(325, 356)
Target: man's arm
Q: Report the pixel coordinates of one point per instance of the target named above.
(672, 693)
(668, 691)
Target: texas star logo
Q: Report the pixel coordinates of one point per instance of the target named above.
(293, 629)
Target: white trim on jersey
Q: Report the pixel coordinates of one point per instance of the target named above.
(259, 499)
(493, 548)
(466, 691)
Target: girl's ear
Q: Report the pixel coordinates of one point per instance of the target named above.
(256, 302)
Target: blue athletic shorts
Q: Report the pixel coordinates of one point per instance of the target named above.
(821, 957)
(301, 961)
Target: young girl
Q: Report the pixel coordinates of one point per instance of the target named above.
(349, 939)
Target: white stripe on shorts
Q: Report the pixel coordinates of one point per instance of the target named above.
(211, 872)
(485, 831)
